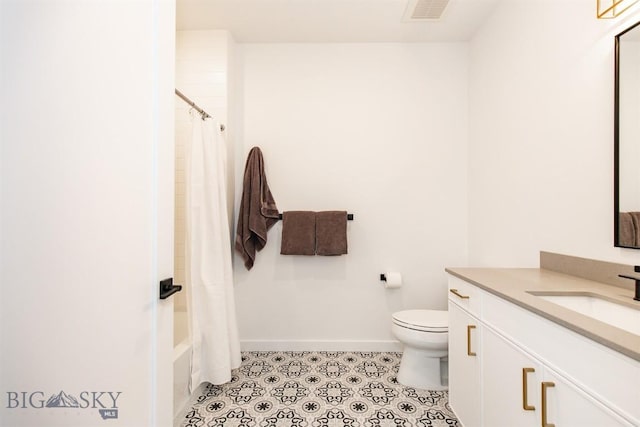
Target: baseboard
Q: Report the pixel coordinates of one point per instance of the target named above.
(322, 345)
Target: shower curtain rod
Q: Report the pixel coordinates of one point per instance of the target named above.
(193, 105)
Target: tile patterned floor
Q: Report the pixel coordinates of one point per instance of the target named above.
(318, 389)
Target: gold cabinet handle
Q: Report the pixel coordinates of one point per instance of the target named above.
(458, 294)
(545, 385)
(469, 352)
(525, 400)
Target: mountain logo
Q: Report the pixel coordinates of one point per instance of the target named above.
(106, 402)
(62, 400)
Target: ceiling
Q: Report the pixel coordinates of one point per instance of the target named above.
(326, 21)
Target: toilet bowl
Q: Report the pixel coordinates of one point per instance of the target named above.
(425, 336)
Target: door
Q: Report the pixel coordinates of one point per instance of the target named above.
(511, 384)
(86, 221)
(465, 392)
(564, 404)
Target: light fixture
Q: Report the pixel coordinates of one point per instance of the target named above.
(608, 9)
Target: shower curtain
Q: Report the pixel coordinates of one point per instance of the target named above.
(209, 277)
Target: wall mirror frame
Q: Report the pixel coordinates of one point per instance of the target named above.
(627, 139)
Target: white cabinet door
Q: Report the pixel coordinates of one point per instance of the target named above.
(465, 395)
(511, 384)
(86, 177)
(564, 405)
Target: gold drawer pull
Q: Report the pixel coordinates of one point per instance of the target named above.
(545, 385)
(458, 294)
(469, 352)
(525, 403)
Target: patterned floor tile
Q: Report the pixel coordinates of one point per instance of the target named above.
(318, 389)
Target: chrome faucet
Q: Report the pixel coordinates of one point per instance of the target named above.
(637, 280)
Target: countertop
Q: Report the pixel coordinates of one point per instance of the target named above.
(512, 285)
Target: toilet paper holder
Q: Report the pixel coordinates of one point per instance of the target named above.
(391, 279)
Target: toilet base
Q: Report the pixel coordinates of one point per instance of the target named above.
(420, 369)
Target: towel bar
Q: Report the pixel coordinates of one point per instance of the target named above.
(349, 217)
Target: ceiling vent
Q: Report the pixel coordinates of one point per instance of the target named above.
(425, 10)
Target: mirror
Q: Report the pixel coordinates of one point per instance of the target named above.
(627, 139)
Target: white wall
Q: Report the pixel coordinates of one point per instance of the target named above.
(204, 70)
(379, 130)
(541, 134)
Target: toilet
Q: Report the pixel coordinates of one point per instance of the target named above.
(425, 336)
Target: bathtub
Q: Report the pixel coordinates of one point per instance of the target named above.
(181, 364)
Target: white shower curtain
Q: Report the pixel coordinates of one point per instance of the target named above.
(209, 277)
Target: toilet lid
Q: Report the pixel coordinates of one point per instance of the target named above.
(424, 320)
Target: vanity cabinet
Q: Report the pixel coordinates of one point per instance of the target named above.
(465, 337)
(513, 379)
(569, 405)
(512, 392)
(464, 354)
(511, 384)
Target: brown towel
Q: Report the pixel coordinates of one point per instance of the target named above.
(331, 233)
(635, 216)
(258, 210)
(626, 230)
(298, 233)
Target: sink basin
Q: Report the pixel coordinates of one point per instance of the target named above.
(615, 314)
